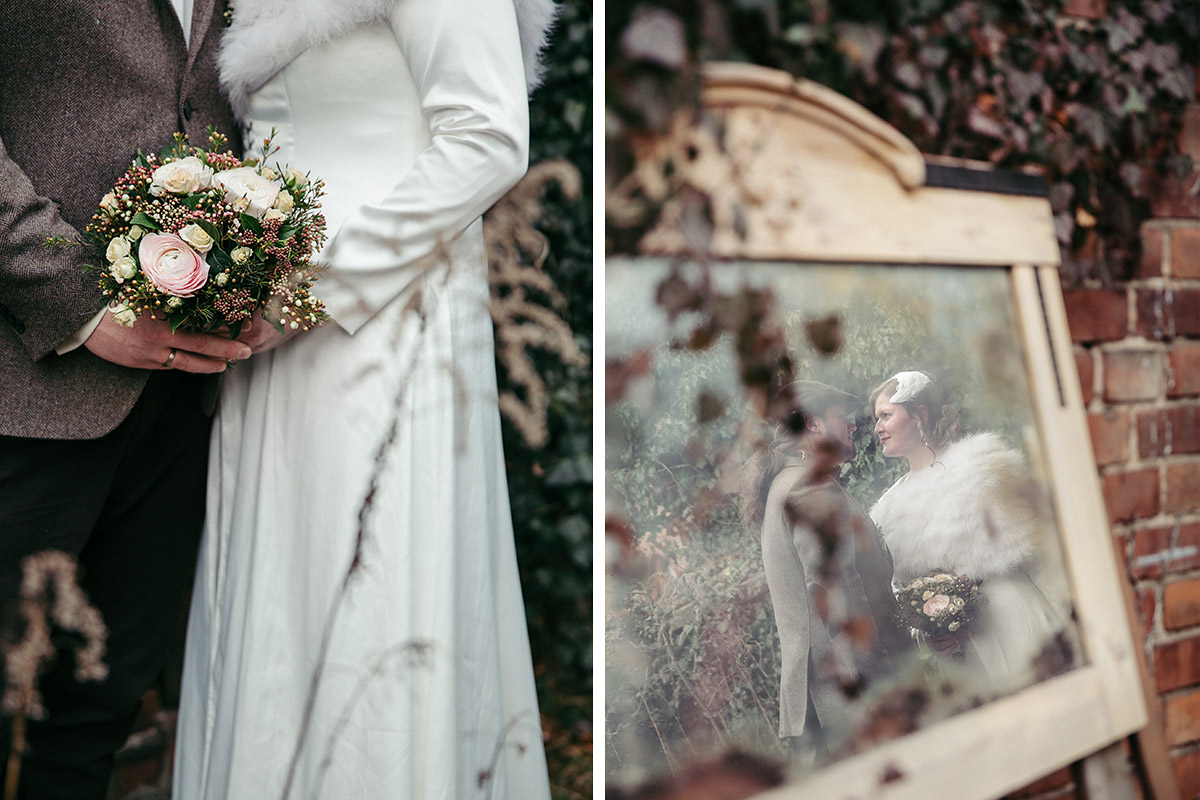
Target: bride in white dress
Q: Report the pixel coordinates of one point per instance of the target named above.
(356, 483)
(970, 506)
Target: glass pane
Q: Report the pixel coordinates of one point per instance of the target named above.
(877, 560)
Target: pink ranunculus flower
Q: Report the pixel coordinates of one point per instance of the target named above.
(936, 605)
(171, 265)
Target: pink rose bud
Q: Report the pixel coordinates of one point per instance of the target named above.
(171, 265)
(936, 605)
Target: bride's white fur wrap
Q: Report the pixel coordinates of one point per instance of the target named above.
(267, 34)
(977, 514)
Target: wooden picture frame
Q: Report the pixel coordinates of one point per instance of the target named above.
(803, 175)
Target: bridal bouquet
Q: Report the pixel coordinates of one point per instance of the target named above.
(939, 604)
(204, 239)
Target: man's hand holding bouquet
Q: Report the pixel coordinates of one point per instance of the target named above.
(201, 241)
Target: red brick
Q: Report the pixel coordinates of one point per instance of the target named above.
(1181, 604)
(1110, 437)
(1187, 541)
(1131, 495)
(1131, 375)
(1187, 772)
(1185, 252)
(1146, 605)
(1151, 265)
(1183, 718)
(1087, 372)
(1160, 549)
(1151, 549)
(1055, 780)
(1096, 315)
(1183, 377)
(1167, 313)
(1177, 665)
(1171, 197)
(1169, 431)
(1183, 488)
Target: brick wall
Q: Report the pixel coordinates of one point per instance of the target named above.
(1137, 351)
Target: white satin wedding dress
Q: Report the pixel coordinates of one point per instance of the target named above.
(374, 440)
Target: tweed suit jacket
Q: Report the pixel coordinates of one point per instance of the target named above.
(83, 85)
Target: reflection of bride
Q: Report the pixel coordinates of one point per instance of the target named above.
(970, 507)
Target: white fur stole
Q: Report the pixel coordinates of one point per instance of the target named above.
(977, 513)
(267, 34)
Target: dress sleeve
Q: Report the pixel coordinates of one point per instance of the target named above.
(466, 64)
(44, 294)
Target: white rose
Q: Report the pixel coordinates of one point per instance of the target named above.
(124, 315)
(123, 268)
(296, 177)
(284, 202)
(221, 278)
(241, 255)
(184, 176)
(117, 248)
(174, 302)
(135, 233)
(110, 204)
(274, 213)
(197, 237)
(243, 183)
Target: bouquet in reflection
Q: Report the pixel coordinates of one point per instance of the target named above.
(939, 605)
(204, 239)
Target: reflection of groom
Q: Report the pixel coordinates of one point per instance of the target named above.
(828, 573)
(103, 438)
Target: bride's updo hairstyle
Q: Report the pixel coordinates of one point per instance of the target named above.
(914, 391)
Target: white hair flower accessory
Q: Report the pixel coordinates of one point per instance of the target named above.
(908, 385)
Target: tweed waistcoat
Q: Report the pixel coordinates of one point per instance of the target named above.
(83, 85)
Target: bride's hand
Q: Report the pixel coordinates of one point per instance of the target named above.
(946, 646)
(262, 335)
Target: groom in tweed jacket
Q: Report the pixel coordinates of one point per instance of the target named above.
(103, 439)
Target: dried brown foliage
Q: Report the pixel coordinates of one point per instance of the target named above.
(50, 598)
(516, 252)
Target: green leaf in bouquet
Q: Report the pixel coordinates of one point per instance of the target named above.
(235, 328)
(140, 159)
(179, 322)
(250, 223)
(288, 231)
(218, 259)
(176, 148)
(144, 221)
(192, 200)
(209, 228)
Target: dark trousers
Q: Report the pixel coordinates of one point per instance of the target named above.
(129, 506)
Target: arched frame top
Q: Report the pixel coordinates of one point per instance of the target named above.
(792, 170)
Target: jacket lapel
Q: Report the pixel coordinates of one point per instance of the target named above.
(202, 12)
